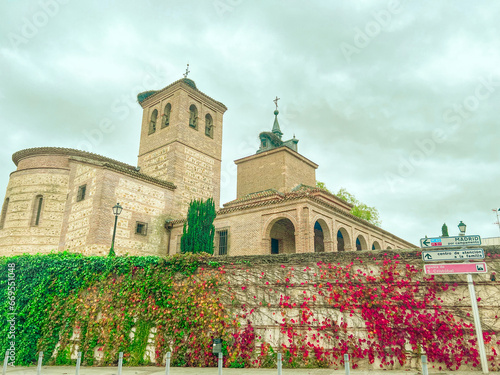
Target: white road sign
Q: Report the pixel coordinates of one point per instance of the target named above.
(457, 241)
(455, 268)
(440, 255)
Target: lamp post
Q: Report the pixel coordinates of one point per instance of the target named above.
(117, 210)
(462, 227)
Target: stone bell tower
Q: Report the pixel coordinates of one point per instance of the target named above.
(181, 141)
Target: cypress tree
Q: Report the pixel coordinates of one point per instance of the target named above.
(198, 232)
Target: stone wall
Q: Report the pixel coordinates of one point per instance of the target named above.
(19, 233)
(83, 225)
(254, 289)
(260, 282)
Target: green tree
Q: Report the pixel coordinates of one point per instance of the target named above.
(199, 230)
(359, 209)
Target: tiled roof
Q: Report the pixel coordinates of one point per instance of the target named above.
(146, 95)
(140, 176)
(93, 158)
(273, 193)
(314, 189)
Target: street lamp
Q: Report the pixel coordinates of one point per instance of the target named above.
(462, 228)
(117, 210)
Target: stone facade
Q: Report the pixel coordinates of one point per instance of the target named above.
(178, 152)
(69, 221)
(60, 199)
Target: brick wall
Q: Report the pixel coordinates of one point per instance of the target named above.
(251, 230)
(281, 169)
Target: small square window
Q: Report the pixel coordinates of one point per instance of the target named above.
(141, 228)
(81, 193)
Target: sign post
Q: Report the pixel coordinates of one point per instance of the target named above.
(5, 362)
(458, 268)
(477, 324)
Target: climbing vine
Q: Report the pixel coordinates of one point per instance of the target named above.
(378, 308)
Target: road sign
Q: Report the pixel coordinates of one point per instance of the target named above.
(457, 241)
(454, 268)
(440, 255)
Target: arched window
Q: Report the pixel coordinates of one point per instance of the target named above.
(193, 116)
(37, 210)
(209, 126)
(152, 123)
(165, 121)
(4, 212)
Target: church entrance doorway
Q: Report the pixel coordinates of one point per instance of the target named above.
(275, 246)
(282, 237)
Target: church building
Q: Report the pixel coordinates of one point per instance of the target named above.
(60, 199)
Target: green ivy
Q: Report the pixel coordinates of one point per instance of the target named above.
(48, 288)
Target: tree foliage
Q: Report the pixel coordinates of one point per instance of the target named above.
(359, 209)
(199, 230)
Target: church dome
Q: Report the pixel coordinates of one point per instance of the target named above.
(190, 82)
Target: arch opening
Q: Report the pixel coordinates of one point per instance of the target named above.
(37, 210)
(376, 246)
(361, 243)
(319, 238)
(282, 236)
(343, 240)
(209, 126)
(193, 116)
(166, 116)
(152, 123)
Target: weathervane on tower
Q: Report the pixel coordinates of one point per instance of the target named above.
(187, 71)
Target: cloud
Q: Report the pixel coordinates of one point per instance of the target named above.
(362, 118)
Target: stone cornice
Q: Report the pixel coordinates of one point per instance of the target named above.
(38, 151)
(276, 150)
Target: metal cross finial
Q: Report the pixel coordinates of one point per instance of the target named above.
(187, 71)
(276, 101)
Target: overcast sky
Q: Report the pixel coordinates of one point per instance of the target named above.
(398, 102)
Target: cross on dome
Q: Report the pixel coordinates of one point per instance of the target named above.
(187, 71)
(276, 101)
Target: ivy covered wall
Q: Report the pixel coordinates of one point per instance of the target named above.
(377, 306)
